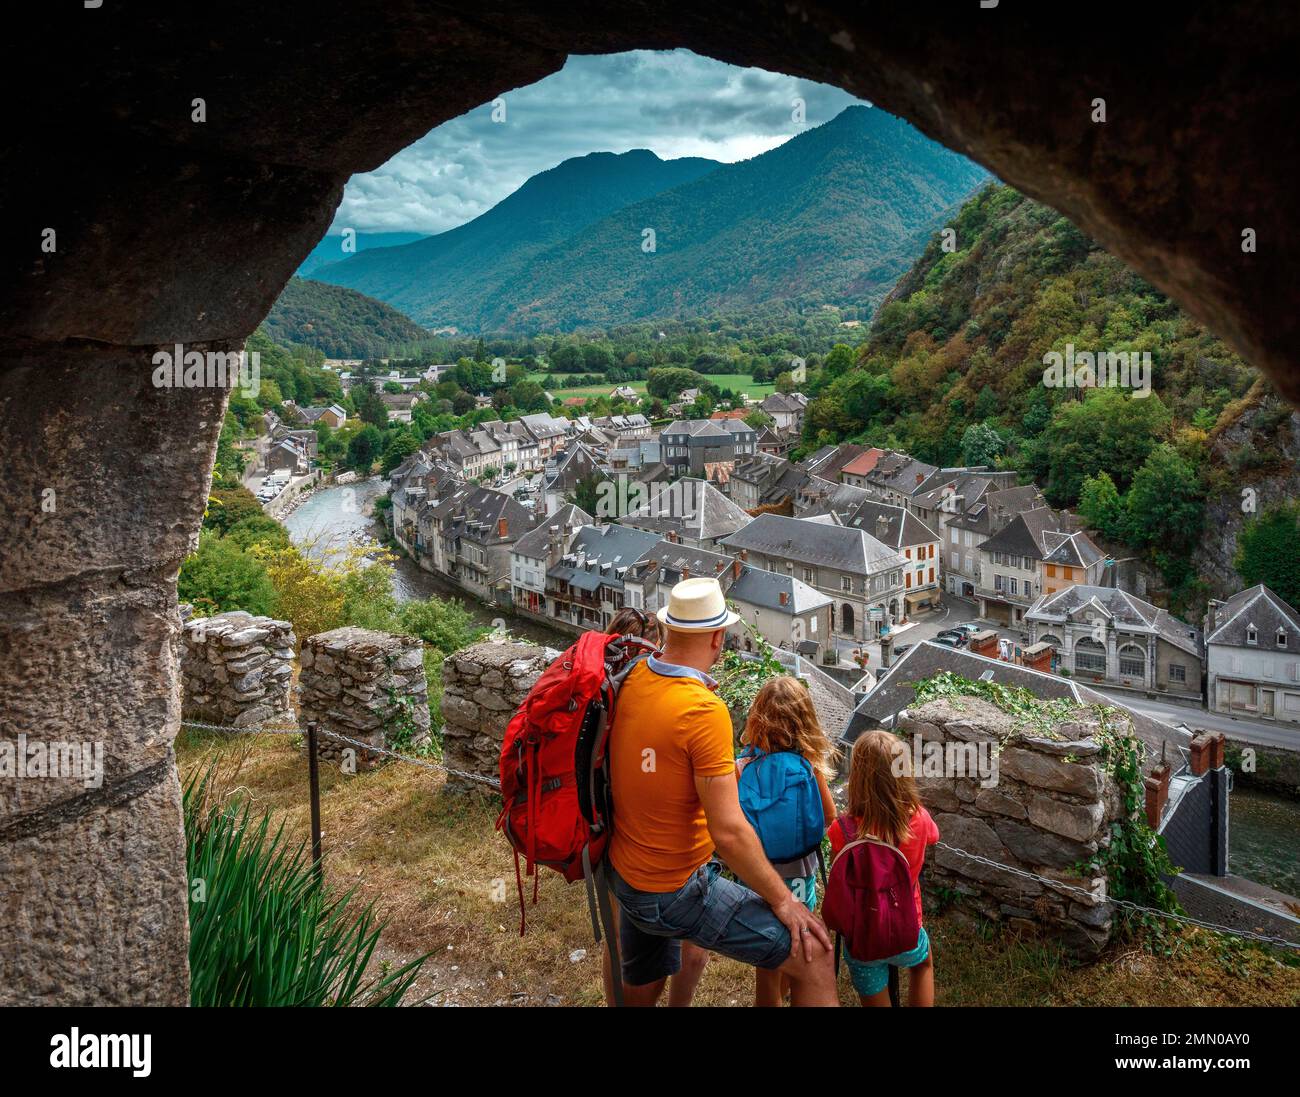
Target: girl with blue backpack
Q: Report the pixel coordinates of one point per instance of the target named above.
(782, 775)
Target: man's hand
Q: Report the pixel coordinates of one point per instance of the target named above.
(806, 929)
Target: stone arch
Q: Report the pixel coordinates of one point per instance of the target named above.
(185, 233)
(846, 619)
(1089, 656)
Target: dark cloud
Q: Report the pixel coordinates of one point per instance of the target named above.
(674, 103)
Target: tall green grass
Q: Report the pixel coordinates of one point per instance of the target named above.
(264, 929)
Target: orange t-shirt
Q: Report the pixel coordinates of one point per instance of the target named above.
(669, 728)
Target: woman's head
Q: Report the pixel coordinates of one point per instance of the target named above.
(782, 717)
(635, 622)
(882, 793)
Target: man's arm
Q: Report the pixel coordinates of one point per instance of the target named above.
(739, 847)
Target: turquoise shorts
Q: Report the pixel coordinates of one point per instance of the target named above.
(804, 888)
(871, 978)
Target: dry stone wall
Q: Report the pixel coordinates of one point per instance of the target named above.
(236, 668)
(368, 686)
(482, 687)
(1044, 804)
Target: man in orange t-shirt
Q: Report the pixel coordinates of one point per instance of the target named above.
(673, 777)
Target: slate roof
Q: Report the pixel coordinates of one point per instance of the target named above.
(979, 515)
(600, 556)
(542, 426)
(893, 693)
(781, 401)
(672, 560)
(1072, 549)
(776, 478)
(1129, 612)
(904, 528)
(838, 547)
(709, 515)
(1023, 535)
(474, 513)
(1262, 608)
(536, 541)
(828, 461)
(756, 587)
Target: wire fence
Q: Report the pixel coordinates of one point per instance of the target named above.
(312, 732)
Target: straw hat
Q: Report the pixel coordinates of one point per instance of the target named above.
(697, 605)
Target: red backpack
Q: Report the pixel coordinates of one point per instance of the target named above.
(555, 768)
(869, 898)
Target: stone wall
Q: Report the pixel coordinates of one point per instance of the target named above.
(236, 668)
(366, 685)
(482, 687)
(1048, 806)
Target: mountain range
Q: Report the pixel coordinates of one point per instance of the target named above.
(834, 215)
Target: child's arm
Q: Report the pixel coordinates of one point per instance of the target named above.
(828, 802)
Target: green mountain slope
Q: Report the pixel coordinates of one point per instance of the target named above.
(833, 215)
(449, 279)
(340, 322)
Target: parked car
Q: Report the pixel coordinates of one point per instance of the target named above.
(902, 649)
(970, 628)
(958, 638)
(947, 641)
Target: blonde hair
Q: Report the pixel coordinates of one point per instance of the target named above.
(882, 793)
(782, 718)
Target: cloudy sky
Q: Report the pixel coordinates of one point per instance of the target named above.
(673, 103)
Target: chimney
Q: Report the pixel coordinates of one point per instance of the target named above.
(735, 569)
(1202, 751)
(502, 527)
(1157, 795)
(785, 598)
(686, 573)
(744, 554)
(882, 527)
(985, 643)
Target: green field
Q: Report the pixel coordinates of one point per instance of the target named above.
(737, 382)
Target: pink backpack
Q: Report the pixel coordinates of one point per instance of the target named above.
(869, 898)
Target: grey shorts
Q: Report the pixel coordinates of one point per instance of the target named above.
(708, 910)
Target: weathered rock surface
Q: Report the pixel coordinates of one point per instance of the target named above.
(368, 686)
(236, 669)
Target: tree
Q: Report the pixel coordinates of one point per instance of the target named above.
(981, 444)
(1165, 503)
(370, 408)
(229, 506)
(220, 576)
(398, 448)
(364, 448)
(1268, 551)
(445, 625)
(1101, 507)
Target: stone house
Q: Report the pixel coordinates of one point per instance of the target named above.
(585, 587)
(786, 409)
(467, 537)
(901, 530)
(706, 447)
(536, 551)
(1252, 654)
(1102, 634)
(970, 517)
(862, 576)
(1015, 563)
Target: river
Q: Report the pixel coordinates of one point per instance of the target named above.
(337, 516)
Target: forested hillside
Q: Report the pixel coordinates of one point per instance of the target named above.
(341, 322)
(952, 371)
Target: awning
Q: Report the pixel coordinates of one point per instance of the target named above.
(920, 597)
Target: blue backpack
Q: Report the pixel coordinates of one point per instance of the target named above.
(781, 800)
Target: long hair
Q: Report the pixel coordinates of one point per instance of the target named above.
(782, 718)
(634, 622)
(882, 792)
